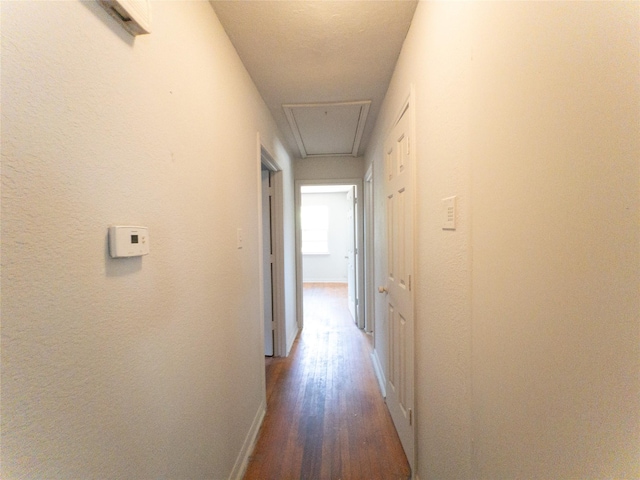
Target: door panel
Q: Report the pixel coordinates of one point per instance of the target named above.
(399, 296)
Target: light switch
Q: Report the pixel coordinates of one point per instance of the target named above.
(449, 213)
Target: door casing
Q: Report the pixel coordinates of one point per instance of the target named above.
(267, 261)
(369, 252)
(265, 158)
(352, 258)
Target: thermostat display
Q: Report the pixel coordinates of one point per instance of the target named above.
(125, 241)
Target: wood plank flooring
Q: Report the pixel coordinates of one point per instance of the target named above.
(326, 418)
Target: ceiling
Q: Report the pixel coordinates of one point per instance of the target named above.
(321, 66)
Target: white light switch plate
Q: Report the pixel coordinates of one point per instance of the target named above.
(449, 213)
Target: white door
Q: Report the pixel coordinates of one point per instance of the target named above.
(267, 255)
(351, 254)
(399, 195)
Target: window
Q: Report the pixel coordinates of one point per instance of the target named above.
(315, 225)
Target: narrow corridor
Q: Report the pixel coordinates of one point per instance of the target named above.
(326, 418)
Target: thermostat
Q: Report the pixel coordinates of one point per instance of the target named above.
(128, 241)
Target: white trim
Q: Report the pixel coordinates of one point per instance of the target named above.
(277, 231)
(340, 280)
(377, 367)
(368, 195)
(326, 188)
(292, 341)
(261, 295)
(278, 266)
(249, 444)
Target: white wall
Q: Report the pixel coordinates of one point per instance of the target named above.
(333, 266)
(327, 168)
(528, 315)
(132, 368)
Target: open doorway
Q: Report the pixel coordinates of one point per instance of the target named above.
(271, 254)
(329, 242)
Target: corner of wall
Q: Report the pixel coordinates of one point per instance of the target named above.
(249, 444)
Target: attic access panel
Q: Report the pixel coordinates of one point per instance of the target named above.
(328, 129)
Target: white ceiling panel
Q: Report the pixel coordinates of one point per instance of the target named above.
(328, 129)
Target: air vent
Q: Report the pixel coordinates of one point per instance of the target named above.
(328, 129)
(133, 15)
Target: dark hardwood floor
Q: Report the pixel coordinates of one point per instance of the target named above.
(326, 418)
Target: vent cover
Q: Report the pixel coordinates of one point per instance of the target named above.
(133, 15)
(328, 129)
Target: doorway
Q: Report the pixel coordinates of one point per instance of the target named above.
(271, 254)
(329, 240)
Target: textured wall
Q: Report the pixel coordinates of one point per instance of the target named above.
(528, 315)
(131, 368)
(327, 168)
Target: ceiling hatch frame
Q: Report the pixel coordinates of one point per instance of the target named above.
(350, 119)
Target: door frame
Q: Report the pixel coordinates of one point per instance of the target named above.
(369, 264)
(359, 243)
(266, 159)
(352, 256)
(267, 260)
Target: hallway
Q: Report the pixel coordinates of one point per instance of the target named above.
(325, 415)
(525, 140)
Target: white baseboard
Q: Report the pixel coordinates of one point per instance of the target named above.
(377, 367)
(249, 443)
(292, 340)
